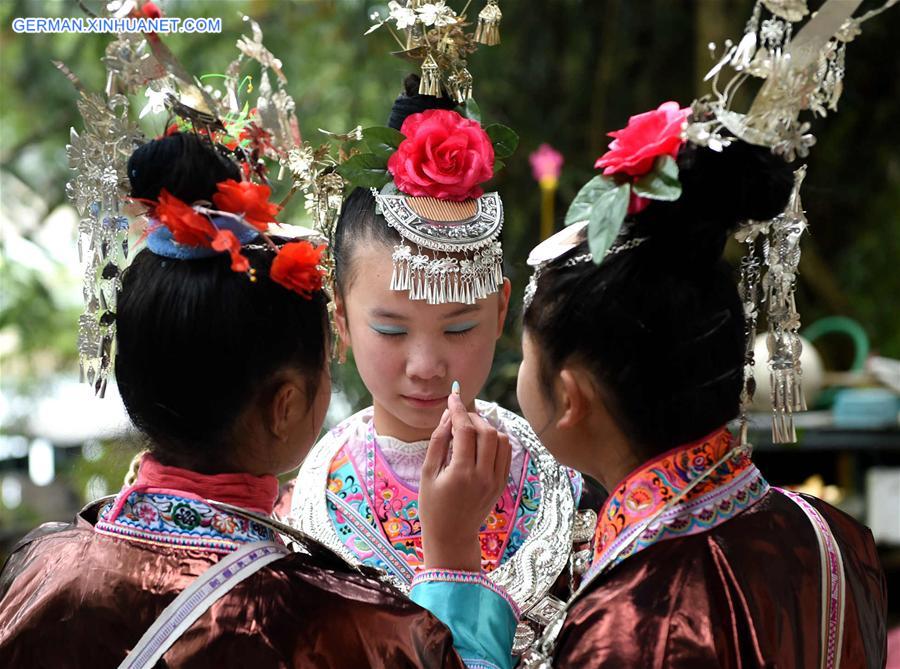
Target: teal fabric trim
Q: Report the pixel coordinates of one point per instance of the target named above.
(482, 621)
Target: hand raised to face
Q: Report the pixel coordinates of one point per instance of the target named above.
(460, 486)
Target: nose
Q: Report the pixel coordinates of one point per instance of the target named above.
(424, 361)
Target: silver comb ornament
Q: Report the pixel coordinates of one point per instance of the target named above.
(466, 260)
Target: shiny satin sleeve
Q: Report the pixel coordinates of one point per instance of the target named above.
(624, 627)
(479, 613)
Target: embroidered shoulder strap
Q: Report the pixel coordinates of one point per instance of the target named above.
(833, 584)
(194, 600)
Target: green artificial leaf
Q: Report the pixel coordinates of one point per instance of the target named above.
(661, 183)
(381, 140)
(471, 110)
(365, 170)
(498, 165)
(580, 209)
(504, 139)
(606, 220)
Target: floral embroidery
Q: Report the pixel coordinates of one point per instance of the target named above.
(734, 486)
(376, 515)
(182, 522)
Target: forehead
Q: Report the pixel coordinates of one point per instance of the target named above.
(371, 290)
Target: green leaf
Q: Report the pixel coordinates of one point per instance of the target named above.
(662, 182)
(580, 209)
(606, 220)
(504, 139)
(471, 110)
(381, 140)
(365, 170)
(498, 165)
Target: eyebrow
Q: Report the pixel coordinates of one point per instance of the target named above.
(462, 311)
(456, 313)
(384, 313)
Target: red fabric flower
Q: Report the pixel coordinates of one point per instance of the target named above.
(151, 11)
(187, 226)
(444, 156)
(647, 136)
(226, 240)
(296, 267)
(249, 199)
(258, 137)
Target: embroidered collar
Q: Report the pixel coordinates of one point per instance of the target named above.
(166, 506)
(183, 521)
(733, 486)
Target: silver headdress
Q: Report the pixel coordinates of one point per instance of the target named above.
(448, 229)
(98, 156)
(450, 249)
(801, 71)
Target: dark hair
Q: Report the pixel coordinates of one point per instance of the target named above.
(661, 326)
(358, 224)
(185, 164)
(196, 342)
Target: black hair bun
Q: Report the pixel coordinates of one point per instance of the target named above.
(187, 165)
(739, 183)
(720, 190)
(411, 102)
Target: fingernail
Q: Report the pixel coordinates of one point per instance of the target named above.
(445, 415)
(455, 388)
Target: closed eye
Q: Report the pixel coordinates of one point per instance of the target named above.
(458, 329)
(388, 330)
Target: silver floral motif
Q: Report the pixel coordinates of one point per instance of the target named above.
(796, 142)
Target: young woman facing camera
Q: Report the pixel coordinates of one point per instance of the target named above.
(421, 300)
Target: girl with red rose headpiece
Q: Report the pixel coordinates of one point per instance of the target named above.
(358, 490)
(228, 380)
(632, 368)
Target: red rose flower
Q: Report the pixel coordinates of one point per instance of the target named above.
(249, 199)
(226, 240)
(296, 267)
(647, 136)
(187, 226)
(444, 156)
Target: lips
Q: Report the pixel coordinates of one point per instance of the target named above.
(425, 401)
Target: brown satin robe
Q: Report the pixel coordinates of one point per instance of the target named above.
(745, 594)
(82, 599)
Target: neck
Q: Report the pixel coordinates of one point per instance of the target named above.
(611, 457)
(255, 493)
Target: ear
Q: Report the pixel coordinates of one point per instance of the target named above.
(575, 396)
(503, 304)
(288, 406)
(340, 320)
